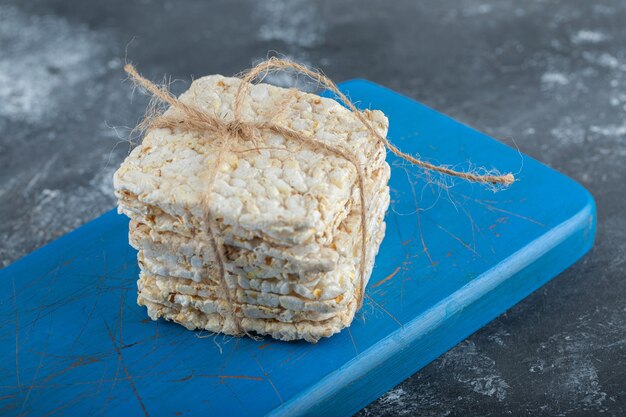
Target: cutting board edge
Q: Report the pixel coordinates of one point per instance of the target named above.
(563, 245)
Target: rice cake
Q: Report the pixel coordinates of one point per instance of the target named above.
(285, 192)
(286, 214)
(194, 319)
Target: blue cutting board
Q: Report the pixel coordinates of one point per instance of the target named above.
(74, 341)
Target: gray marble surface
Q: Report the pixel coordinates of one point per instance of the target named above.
(549, 76)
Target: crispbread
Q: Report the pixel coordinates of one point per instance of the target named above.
(310, 256)
(194, 319)
(285, 213)
(258, 260)
(285, 191)
(209, 299)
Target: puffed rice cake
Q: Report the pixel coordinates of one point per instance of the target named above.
(287, 215)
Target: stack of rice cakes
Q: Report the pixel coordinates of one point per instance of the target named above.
(286, 214)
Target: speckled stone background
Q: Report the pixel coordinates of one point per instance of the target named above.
(548, 76)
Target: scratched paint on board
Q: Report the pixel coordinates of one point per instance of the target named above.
(454, 257)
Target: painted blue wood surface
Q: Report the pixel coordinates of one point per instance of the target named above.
(73, 340)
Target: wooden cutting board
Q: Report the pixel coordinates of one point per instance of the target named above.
(74, 341)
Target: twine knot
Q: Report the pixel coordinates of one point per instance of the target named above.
(239, 129)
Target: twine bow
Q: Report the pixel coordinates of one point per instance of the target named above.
(190, 118)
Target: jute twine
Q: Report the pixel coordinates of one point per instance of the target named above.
(191, 119)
